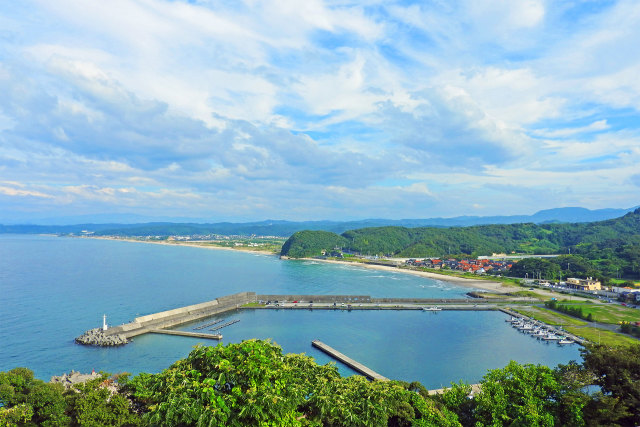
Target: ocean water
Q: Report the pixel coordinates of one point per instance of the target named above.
(53, 288)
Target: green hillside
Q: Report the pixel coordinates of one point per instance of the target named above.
(613, 246)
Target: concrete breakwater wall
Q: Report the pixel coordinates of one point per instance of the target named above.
(351, 299)
(167, 319)
(179, 316)
(366, 299)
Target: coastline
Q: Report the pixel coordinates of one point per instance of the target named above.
(486, 285)
(181, 243)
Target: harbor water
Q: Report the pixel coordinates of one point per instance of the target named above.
(54, 288)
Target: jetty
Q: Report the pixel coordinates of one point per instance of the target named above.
(356, 366)
(161, 321)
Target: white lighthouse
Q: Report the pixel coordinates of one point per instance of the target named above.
(104, 322)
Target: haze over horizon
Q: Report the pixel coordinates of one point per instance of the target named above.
(317, 110)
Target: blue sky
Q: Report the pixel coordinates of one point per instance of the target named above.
(318, 109)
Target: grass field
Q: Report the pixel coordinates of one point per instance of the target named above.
(530, 294)
(607, 313)
(549, 317)
(596, 335)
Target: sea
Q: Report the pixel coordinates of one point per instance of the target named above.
(52, 289)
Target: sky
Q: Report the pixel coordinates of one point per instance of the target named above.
(308, 110)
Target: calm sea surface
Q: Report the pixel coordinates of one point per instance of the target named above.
(52, 289)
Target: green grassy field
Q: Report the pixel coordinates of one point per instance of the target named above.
(606, 313)
(530, 294)
(549, 317)
(601, 336)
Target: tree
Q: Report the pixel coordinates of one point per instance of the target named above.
(98, 403)
(253, 383)
(518, 395)
(617, 371)
(40, 402)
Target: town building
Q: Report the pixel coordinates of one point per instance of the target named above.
(588, 284)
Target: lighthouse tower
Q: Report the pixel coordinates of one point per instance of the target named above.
(104, 322)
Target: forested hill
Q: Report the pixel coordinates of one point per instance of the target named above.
(108, 225)
(612, 238)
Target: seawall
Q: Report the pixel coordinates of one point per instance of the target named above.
(179, 316)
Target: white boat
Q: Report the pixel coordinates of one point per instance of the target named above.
(566, 341)
(552, 337)
(431, 309)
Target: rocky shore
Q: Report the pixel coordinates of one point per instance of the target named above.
(69, 380)
(97, 337)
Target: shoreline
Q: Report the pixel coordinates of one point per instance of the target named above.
(486, 285)
(181, 243)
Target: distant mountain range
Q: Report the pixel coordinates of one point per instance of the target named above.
(126, 225)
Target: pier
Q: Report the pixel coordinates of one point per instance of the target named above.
(356, 366)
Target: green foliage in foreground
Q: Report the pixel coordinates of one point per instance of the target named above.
(25, 400)
(254, 384)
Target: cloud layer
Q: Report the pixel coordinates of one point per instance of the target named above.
(317, 110)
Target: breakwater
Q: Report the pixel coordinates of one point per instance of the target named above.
(167, 319)
(97, 336)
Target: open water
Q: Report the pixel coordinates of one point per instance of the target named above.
(53, 288)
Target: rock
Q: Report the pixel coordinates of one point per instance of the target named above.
(97, 337)
(73, 378)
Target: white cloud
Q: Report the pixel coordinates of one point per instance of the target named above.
(596, 126)
(19, 192)
(208, 105)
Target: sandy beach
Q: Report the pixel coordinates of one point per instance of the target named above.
(195, 244)
(495, 287)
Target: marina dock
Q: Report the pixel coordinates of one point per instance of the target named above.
(356, 366)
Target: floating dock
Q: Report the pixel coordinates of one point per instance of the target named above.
(208, 324)
(225, 325)
(356, 366)
(186, 334)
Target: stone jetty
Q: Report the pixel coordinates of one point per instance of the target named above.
(98, 337)
(122, 334)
